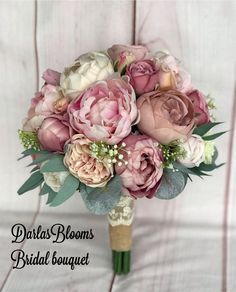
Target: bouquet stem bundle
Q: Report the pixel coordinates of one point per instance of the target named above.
(120, 231)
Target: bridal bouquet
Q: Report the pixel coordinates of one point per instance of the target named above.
(114, 127)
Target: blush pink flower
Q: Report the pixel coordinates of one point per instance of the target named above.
(141, 176)
(138, 52)
(52, 102)
(143, 76)
(200, 107)
(82, 164)
(105, 111)
(52, 77)
(54, 133)
(172, 76)
(166, 115)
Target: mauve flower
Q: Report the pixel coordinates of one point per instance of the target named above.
(138, 52)
(166, 115)
(52, 77)
(141, 177)
(53, 134)
(194, 151)
(105, 111)
(143, 76)
(82, 164)
(200, 107)
(87, 69)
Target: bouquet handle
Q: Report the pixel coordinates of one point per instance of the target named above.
(120, 231)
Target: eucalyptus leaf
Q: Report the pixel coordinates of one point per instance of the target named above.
(214, 136)
(41, 158)
(32, 151)
(69, 187)
(55, 164)
(51, 196)
(45, 190)
(203, 129)
(32, 182)
(172, 184)
(182, 168)
(102, 200)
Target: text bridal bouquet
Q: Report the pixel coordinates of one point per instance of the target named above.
(114, 127)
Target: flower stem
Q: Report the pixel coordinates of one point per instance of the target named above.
(121, 262)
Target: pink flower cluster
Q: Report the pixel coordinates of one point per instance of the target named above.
(131, 87)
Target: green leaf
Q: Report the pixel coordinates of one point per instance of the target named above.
(182, 168)
(198, 172)
(54, 165)
(41, 158)
(203, 129)
(32, 182)
(214, 136)
(34, 169)
(51, 196)
(209, 167)
(172, 184)
(32, 151)
(102, 200)
(69, 187)
(45, 190)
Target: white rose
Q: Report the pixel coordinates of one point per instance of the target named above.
(55, 179)
(87, 69)
(194, 151)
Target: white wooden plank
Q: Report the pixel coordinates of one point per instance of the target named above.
(18, 84)
(67, 29)
(201, 34)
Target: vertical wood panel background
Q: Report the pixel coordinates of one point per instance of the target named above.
(194, 235)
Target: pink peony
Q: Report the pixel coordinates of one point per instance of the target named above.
(53, 134)
(52, 77)
(105, 111)
(142, 175)
(143, 76)
(200, 107)
(166, 115)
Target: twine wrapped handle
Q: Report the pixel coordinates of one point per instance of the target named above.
(120, 230)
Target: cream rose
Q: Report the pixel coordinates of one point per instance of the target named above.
(55, 179)
(194, 151)
(87, 69)
(83, 165)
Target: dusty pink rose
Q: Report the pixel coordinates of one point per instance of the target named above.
(83, 165)
(166, 115)
(143, 76)
(53, 134)
(52, 102)
(172, 76)
(105, 111)
(139, 52)
(142, 175)
(200, 107)
(52, 77)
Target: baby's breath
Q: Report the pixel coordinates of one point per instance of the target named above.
(112, 153)
(172, 152)
(29, 139)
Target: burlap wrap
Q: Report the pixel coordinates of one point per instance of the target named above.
(120, 237)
